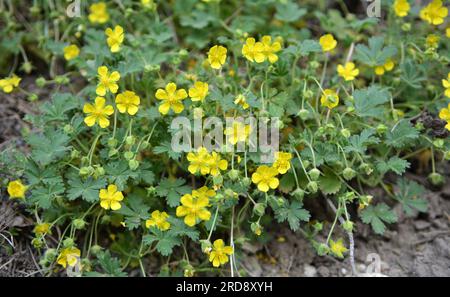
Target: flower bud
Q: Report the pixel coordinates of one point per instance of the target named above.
(348, 173)
(112, 142)
(381, 128)
(348, 226)
(322, 249)
(436, 179)
(130, 140)
(303, 114)
(79, 224)
(314, 174)
(345, 132)
(246, 181)
(145, 144)
(133, 164)
(68, 242)
(37, 243)
(33, 97)
(299, 194)
(96, 249)
(50, 255)
(206, 246)
(218, 180)
(312, 187)
(256, 228)
(233, 174)
(439, 143)
(40, 82)
(259, 209)
(229, 193)
(447, 155)
(128, 155)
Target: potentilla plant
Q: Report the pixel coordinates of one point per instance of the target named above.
(355, 102)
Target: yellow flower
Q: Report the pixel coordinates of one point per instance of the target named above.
(42, 229)
(447, 32)
(282, 162)
(215, 164)
(203, 192)
(193, 208)
(329, 98)
(265, 178)
(444, 114)
(446, 85)
(199, 91)
(128, 101)
(219, 254)
(115, 38)
(388, 66)
(242, 101)
(69, 256)
(98, 113)
(337, 248)
(71, 52)
(327, 42)
(253, 50)
(107, 81)
(217, 56)
(98, 13)
(238, 132)
(171, 98)
(348, 72)
(198, 161)
(9, 83)
(401, 8)
(16, 189)
(158, 219)
(270, 49)
(110, 198)
(432, 41)
(434, 13)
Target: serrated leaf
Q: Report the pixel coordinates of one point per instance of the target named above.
(48, 146)
(44, 195)
(87, 189)
(403, 135)
(329, 183)
(165, 242)
(394, 164)
(289, 12)
(293, 213)
(376, 216)
(179, 228)
(135, 211)
(375, 54)
(359, 143)
(172, 190)
(368, 101)
(408, 194)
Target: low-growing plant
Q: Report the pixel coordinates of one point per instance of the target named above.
(356, 101)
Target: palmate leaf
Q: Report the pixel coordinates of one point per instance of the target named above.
(293, 213)
(375, 54)
(56, 109)
(289, 12)
(48, 146)
(44, 195)
(109, 265)
(135, 210)
(394, 164)
(409, 195)
(172, 190)
(368, 102)
(359, 143)
(119, 172)
(402, 135)
(329, 183)
(87, 189)
(376, 216)
(165, 241)
(179, 228)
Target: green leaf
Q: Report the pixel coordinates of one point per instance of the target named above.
(119, 173)
(87, 189)
(375, 54)
(134, 210)
(172, 190)
(166, 147)
(44, 195)
(48, 146)
(408, 194)
(368, 101)
(56, 109)
(109, 265)
(293, 213)
(165, 242)
(329, 183)
(289, 12)
(376, 216)
(394, 164)
(179, 228)
(35, 174)
(402, 135)
(359, 143)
